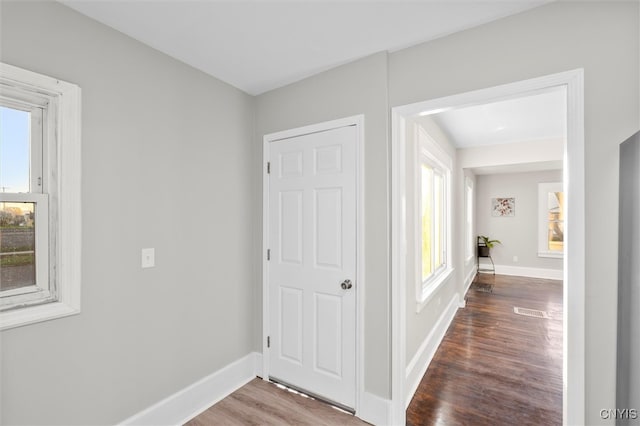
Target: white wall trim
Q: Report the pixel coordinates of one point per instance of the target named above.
(398, 265)
(374, 409)
(574, 393)
(258, 365)
(523, 271)
(418, 365)
(468, 280)
(196, 398)
(187, 403)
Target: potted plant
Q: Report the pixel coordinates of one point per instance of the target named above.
(485, 244)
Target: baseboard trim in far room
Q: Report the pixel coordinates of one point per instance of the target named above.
(522, 271)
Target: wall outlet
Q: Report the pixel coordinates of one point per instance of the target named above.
(148, 257)
(515, 258)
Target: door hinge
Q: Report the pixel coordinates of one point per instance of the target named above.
(268, 341)
(268, 254)
(269, 167)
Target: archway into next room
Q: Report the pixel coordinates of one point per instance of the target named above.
(402, 250)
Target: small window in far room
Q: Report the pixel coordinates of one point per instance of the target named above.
(550, 220)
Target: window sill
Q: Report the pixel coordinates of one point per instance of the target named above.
(551, 254)
(433, 287)
(23, 316)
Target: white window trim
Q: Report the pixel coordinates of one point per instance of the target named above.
(543, 191)
(66, 247)
(430, 152)
(470, 242)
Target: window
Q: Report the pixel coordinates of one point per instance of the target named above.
(433, 202)
(469, 240)
(432, 219)
(39, 201)
(24, 212)
(550, 220)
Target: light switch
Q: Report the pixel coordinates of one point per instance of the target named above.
(148, 257)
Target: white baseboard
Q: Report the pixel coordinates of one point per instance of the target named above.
(258, 367)
(421, 360)
(374, 409)
(468, 280)
(521, 271)
(187, 403)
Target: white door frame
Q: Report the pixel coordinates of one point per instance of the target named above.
(358, 121)
(574, 260)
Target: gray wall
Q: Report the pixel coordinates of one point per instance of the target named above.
(604, 39)
(628, 385)
(356, 88)
(518, 234)
(121, 355)
(164, 165)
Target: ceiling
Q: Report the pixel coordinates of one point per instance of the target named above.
(537, 116)
(261, 45)
(541, 115)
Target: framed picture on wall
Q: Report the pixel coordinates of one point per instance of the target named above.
(503, 207)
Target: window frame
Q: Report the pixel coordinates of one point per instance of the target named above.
(470, 240)
(543, 222)
(60, 191)
(37, 106)
(429, 152)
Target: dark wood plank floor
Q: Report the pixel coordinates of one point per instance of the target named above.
(495, 367)
(263, 403)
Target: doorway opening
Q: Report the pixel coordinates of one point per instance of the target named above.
(571, 83)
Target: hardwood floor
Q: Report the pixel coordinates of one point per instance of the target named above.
(263, 403)
(495, 367)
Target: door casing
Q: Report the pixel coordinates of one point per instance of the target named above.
(358, 121)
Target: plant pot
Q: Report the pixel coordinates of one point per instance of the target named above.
(484, 251)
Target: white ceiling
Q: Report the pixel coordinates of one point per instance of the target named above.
(538, 116)
(261, 45)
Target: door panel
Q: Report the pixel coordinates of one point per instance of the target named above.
(291, 324)
(291, 226)
(328, 220)
(312, 222)
(328, 345)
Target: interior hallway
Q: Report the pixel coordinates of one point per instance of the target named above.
(495, 367)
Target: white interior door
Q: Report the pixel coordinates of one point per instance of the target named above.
(312, 267)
